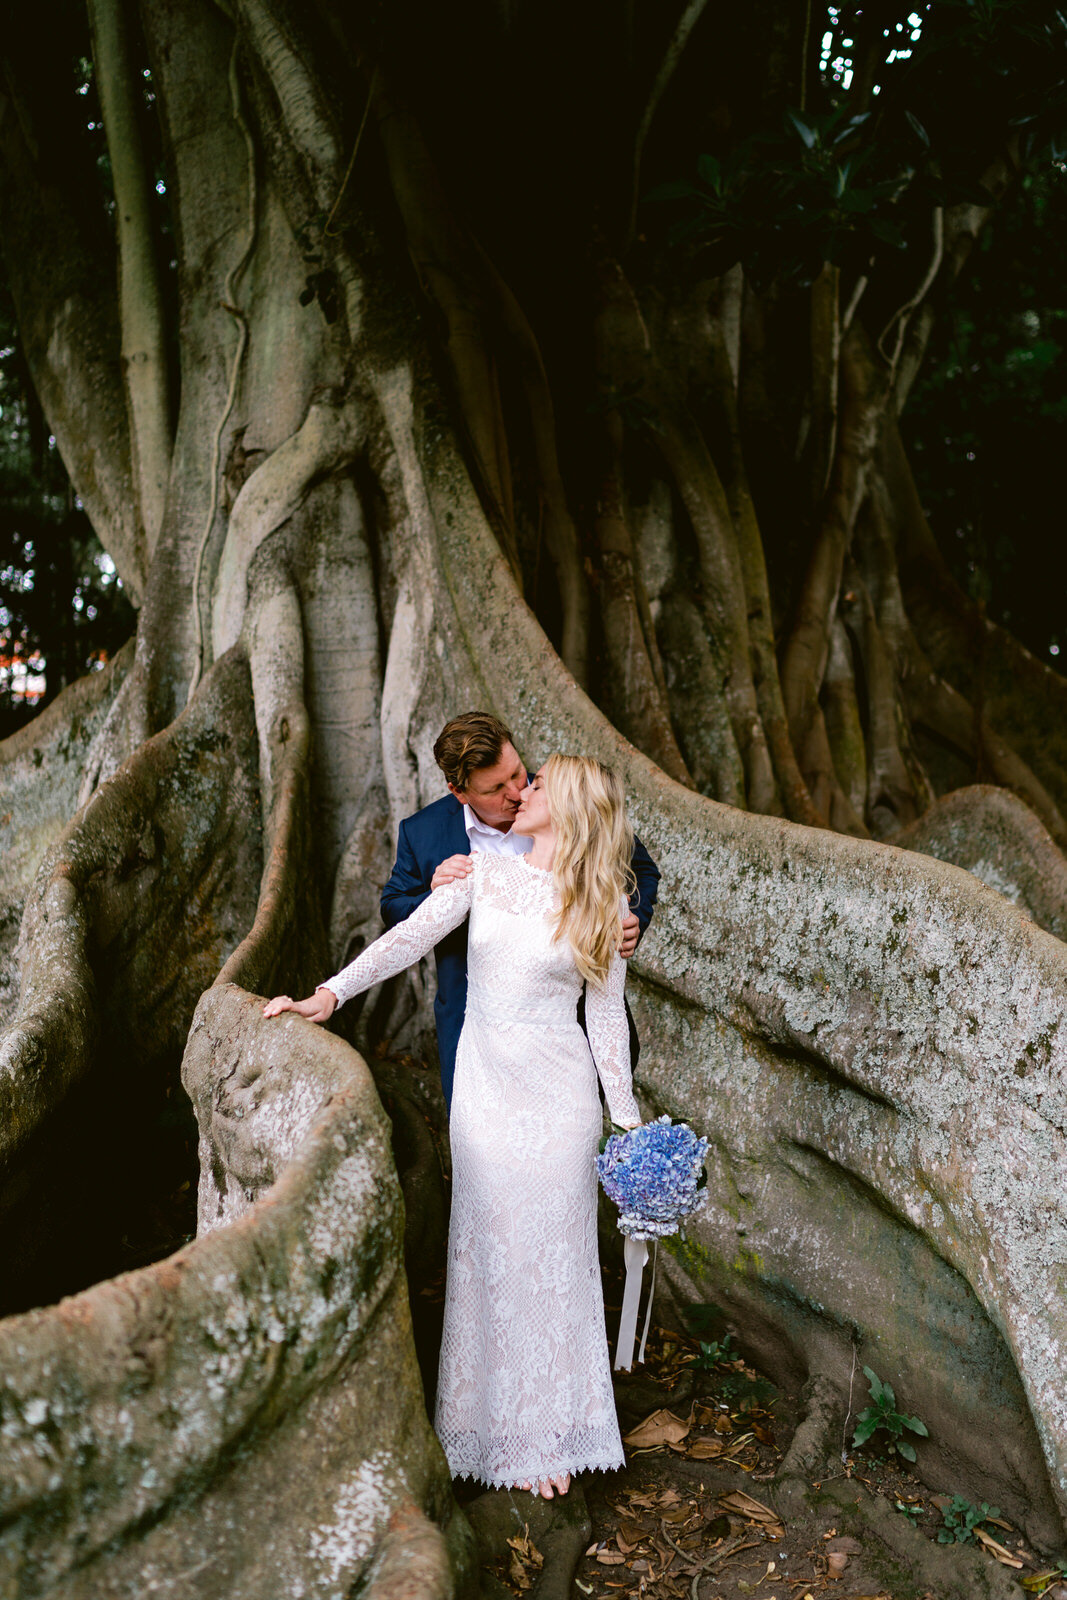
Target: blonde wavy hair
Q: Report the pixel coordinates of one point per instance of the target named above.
(591, 863)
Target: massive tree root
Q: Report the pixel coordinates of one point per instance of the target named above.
(999, 839)
(249, 1409)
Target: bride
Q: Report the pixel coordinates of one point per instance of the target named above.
(524, 1395)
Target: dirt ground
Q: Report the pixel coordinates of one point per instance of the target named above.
(711, 1504)
(694, 1514)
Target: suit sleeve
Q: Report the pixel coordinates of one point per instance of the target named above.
(407, 887)
(646, 872)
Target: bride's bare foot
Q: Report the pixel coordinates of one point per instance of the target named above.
(545, 1488)
(562, 1483)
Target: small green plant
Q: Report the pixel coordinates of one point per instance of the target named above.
(883, 1415)
(913, 1511)
(961, 1519)
(715, 1354)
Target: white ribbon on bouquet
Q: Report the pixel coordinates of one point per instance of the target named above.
(635, 1254)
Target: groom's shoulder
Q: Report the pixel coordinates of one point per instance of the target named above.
(438, 814)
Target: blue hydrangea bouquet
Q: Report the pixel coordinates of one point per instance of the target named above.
(655, 1175)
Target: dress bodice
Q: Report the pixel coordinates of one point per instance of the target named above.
(518, 973)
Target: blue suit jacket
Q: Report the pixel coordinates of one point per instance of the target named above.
(428, 838)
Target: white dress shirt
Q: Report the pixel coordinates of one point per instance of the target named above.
(481, 836)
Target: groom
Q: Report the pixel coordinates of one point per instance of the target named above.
(485, 781)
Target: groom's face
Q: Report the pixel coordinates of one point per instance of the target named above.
(493, 793)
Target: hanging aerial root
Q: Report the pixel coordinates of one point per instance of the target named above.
(631, 366)
(144, 347)
(804, 662)
(285, 948)
(1018, 695)
(796, 796)
(326, 441)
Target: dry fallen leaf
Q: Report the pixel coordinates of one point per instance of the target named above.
(525, 1548)
(662, 1427)
(524, 1557)
(1005, 1557)
(610, 1558)
(517, 1573)
(677, 1514)
(745, 1506)
(704, 1449)
(723, 1424)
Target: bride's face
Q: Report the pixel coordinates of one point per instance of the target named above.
(533, 814)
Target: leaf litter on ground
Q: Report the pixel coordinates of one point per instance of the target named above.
(526, 1560)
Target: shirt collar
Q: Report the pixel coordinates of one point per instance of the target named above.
(474, 824)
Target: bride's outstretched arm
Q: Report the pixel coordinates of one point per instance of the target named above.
(609, 1040)
(401, 947)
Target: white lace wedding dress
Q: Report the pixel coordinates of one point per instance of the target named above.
(524, 1390)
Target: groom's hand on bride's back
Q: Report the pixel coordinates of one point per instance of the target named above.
(451, 869)
(631, 932)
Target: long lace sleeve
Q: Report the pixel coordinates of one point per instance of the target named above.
(609, 1040)
(403, 945)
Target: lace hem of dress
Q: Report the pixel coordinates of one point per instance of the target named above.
(519, 1460)
(512, 1479)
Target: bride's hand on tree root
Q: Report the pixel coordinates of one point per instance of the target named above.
(318, 1007)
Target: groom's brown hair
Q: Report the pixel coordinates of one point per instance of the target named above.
(467, 744)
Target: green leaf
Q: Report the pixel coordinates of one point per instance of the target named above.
(917, 1425)
(806, 133)
(865, 1426)
(918, 128)
(709, 169)
(887, 1394)
(904, 1449)
(875, 1382)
